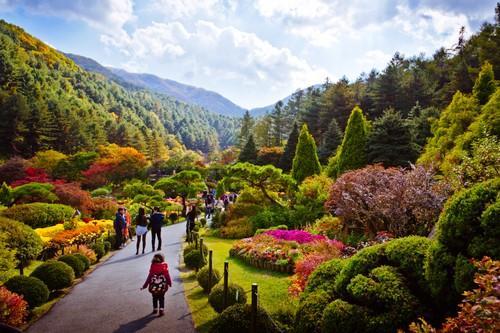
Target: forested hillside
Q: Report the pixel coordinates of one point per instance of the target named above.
(48, 102)
(416, 88)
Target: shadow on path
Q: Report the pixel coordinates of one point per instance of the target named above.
(136, 325)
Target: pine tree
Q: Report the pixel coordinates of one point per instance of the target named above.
(246, 128)
(390, 141)
(277, 123)
(352, 152)
(249, 152)
(332, 138)
(485, 84)
(289, 153)
(305, 162)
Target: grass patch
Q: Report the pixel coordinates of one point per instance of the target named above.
(272, 285)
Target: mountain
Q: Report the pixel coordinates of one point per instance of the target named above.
(210, 100)
(47, 101)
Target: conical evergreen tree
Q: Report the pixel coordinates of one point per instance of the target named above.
(305, 162)
(352, 153)
(485, 84)
(249, 152)
(332, 138)
(246, 128)
(390, 141)
(289, 153)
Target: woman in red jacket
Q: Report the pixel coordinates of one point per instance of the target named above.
(158, 282)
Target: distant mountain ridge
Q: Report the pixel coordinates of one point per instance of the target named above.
(207, 99)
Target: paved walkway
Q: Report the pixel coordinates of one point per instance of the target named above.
(109, 299)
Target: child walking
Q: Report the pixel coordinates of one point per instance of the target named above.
(158, 281)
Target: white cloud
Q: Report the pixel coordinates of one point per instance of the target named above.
(374, 59)
(187, 9)
(221, 53)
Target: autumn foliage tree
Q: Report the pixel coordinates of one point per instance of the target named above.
(376, 199)
(269, 155)
(306, 162)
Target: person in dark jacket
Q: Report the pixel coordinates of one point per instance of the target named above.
(119, 224)
(158, 281)
(157, 219)
(190, 219)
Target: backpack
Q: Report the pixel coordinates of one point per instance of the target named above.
(158, 284)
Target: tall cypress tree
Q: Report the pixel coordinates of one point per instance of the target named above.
(352, 152)
(289, 153)
(485, 84)
(332, 138)
(391, 141)
(246, 128)
(249, 152)
(305, 162)
(277, 117)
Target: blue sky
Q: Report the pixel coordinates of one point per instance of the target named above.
(252, 51)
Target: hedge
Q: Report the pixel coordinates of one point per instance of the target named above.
(34, 291)
(39, 215)
(55, 274)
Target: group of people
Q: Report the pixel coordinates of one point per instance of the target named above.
(123, 227)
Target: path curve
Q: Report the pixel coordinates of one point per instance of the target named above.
(109, 299)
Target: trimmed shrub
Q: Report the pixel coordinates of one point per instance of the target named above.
(74, 262)
(307, 319)
(323, 277)
(235, 295)
(203, 275)
(283, 315)
(203, 221)
(33, 290)
(194, 260)
(98, 248)
(270, 217)
(192, 247)
(55, 274)
(340, 316)
(84, 259)
(22, 239)
(107, 246)
(39, 215)
(237, 229)
(237, 319)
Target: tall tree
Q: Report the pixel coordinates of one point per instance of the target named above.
(262, 131)
(390, 141)
(352, 152)
(305, 162)
(278, 121)
(289, 153)
(485, 84)
(249, 152)
(246, 129)
(332, 138)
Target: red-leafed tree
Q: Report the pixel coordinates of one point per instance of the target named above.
(71, 194)
(372, 199)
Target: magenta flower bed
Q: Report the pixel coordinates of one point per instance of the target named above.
(299, 236)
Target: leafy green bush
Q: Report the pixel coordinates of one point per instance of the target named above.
(307, 319)
(237, 319)
(194, 260)
(203, 275)
(340, 316)
(74, 262)
(283, 315)
(55, 274)
(235, 295)
(192, 247)
(100, 192)
(22, 239)
(34, 291)
(203, 221)
(237, 229)
(270, 217)
(99, 249)
(323, 277)
(84, 259)
(107, 246)
(39, 215)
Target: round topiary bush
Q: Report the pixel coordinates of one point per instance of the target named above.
(192, 247)
(34, 291)
(98, 248)
(21, 238)
(235, 295)
(55, 274)
(323, 277)
(203, 275)
(237, 319)
(194, 260)
(84, 259)
(340, 316)
(309, 312)
(203, 221)
(74, 262)
(107, 246)
(38, 214)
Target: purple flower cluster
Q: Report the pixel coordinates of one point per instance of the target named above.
(300, 236)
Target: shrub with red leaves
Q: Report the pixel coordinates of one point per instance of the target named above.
(71, 194)
(13, 308)
(403, 202)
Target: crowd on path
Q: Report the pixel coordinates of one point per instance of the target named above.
(158, 280)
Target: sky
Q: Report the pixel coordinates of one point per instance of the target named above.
(253, 52)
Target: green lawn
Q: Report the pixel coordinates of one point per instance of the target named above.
(272, 285)
(27, 270)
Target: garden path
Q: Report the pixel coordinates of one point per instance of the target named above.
(109, 299)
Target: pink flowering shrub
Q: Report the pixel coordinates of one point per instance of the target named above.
(299, 236)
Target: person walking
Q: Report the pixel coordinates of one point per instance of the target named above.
(119, 224)
(158, 282)
(141, 229)
(128, 218)
(190, 220)
(157, 220)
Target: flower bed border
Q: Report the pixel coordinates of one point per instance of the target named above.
(263, 264)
